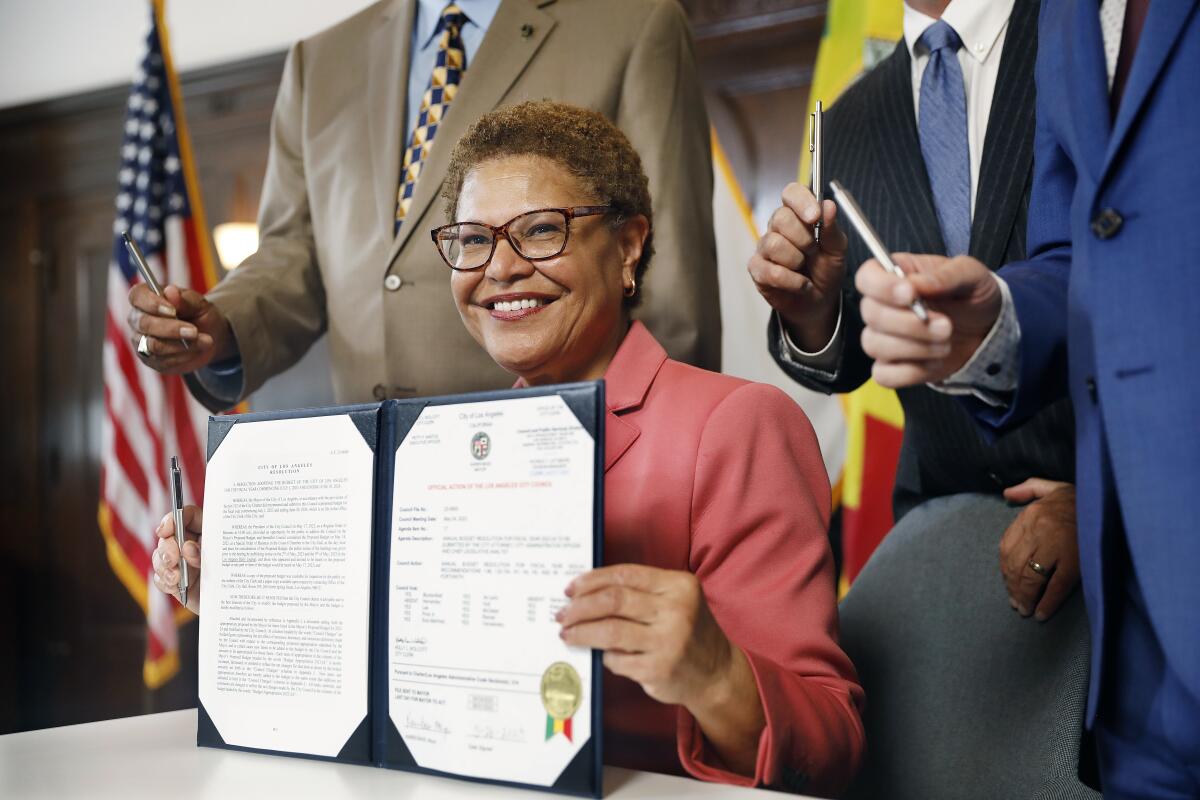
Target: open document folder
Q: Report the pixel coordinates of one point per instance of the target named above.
(380, 581)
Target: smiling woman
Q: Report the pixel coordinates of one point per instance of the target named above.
(716, 612)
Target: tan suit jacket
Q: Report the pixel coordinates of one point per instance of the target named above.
(326, 218)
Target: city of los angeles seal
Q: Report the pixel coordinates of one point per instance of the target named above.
(481, 445)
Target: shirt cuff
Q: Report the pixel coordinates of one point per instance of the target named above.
(224, 380)
(990, 375)
(824, 360)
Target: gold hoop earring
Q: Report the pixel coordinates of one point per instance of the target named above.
(631, 289)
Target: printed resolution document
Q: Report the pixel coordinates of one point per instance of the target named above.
(492, 519)
(285, 591)
(379, 585)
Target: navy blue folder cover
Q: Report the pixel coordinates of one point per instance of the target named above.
(384, 426)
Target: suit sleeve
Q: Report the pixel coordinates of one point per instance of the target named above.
(1039, 284)
(760, 548)
(853, 366)
(662, 111)
(275, 301)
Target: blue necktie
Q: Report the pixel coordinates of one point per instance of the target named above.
(943, 130)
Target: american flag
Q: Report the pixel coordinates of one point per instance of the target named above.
(150, 417)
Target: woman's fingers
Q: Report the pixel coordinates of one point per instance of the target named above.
(609, 601)
(635, 576)
(610, 634)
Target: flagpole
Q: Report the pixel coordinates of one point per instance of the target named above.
(187, 163)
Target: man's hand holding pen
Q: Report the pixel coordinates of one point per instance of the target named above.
(180, 315)
(801, 279)
(964, 301)
(165, 559)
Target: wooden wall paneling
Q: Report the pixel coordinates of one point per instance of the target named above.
(20, 264)
(93, 632)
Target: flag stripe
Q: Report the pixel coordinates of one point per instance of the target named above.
(136, 553)
(194, 259)
(121, 407)
(129, 370)
(129, 463)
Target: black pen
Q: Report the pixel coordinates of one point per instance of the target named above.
(139, 260)
(817, 121)
(176, 480)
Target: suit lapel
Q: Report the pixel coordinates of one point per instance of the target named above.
(1086, 86)
(902, 167)
(1165, 21)
(515, 35)
(387, 82)
(1008, 143)
(619, 436)
(627, 381)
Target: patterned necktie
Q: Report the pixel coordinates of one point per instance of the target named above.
(943, 131)
(443, 84)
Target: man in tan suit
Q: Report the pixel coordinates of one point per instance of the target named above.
(328, 258)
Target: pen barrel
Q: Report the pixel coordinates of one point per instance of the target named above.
(177, 515)
(818, 123)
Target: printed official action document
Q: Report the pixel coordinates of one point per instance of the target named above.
(379, 585)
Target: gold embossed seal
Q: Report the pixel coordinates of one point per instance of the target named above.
(562, 693)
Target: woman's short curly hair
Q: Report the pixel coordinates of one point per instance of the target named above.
(584, 142)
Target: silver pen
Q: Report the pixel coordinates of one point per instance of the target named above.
(139, 260)
(177, 516)
(850, 208)
(816, 121)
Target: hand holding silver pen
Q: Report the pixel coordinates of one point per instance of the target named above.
(139, 260)
(175, 330)
(176, 559)
(849, 206)
(800, 278)
(931, 344)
